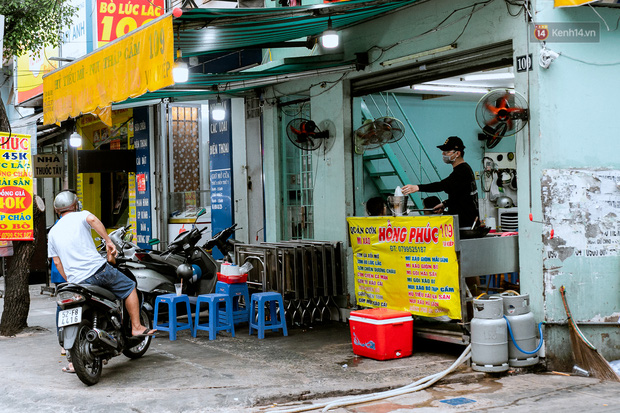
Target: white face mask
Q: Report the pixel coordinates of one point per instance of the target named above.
(448, 158)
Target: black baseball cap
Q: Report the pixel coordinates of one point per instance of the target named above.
(452, 143)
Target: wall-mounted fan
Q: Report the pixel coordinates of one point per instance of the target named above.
(305, 134)
(375, 133)
(501, 113)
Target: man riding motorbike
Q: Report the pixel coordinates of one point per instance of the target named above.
(73, 251)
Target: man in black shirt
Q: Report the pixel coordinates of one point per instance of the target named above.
(460, 185)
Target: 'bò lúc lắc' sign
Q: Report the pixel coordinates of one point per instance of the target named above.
(407, 264)
(15, 188)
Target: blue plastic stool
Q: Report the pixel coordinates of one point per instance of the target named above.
(271, 298)
(215, 324)
(235, 292)
(172, 326)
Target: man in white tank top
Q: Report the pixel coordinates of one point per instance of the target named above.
(73, 251)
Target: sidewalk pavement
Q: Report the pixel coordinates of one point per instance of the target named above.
(245, 374)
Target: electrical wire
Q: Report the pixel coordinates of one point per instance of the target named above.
(601, 17)
(334, 83)
(466, 24)
(509, 3)
(588, 63)
(436, 28)
(410, 388)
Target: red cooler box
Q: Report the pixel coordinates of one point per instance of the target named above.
(381, 334)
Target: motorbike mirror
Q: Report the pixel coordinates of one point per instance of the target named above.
(154, 241)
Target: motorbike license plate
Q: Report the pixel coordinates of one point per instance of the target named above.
(68, 317)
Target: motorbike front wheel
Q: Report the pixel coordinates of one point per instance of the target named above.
(86, 364)
(139, 349)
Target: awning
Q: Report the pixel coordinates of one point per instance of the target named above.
(218, 30)
(138, 65)
(127, 67)
(573, 3)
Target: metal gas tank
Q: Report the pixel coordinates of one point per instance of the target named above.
(489, 336)
(523, 327)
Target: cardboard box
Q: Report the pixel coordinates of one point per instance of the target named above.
(381, 334)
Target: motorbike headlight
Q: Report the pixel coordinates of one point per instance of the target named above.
(68, 297)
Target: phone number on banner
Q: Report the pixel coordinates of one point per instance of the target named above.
(16, 235)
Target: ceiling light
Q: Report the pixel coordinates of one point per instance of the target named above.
(450, 89)
(75, 140)
(180, 71)
(330, 38)
(218, 112)
(489, 76)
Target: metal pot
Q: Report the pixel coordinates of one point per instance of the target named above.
(504, 202)
(397, 205)
(479, 232)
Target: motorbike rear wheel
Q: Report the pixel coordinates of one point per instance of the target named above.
(139, 349)
(86, 364)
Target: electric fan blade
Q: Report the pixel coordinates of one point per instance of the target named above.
(492, 122)
(365, 129)
(504, 102)
(497, 114)
(300, 136)
(491, 109)
(309, 127)
(300, 132)
(295, 131)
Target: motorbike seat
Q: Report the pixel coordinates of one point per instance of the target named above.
(100, 291)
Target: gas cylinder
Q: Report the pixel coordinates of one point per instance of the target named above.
(489, 344)
(523, 328)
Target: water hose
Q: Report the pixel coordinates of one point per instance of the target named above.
(410, 388)
(512, 337)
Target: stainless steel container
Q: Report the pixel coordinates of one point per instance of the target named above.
(489, 344)
(397, 205)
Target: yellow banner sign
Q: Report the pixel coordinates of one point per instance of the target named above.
(407, 264)
(15, 188)
(572, 3)
(130, 67)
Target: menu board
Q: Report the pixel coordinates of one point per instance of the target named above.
(16, 222)
(407, 264)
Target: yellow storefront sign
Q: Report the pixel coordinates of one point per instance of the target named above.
(130, 67)
(407, 264)
(572, 3)
(15, 188)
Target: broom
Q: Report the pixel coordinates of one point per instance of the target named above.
(586, 355)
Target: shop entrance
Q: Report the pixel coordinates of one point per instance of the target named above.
(432, 105)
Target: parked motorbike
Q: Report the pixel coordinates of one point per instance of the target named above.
(156, 272)
(94, 326)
